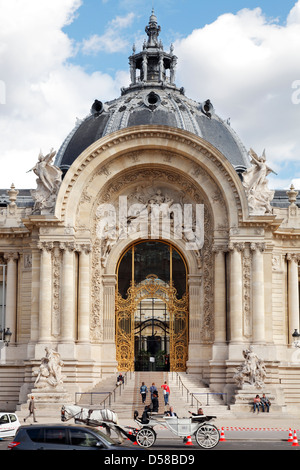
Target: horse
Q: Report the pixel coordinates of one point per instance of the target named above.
(105, 418)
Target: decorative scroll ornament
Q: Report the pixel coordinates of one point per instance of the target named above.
(252, 371)
(48, 184)
(256, 185)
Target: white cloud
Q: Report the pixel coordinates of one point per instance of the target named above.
(112, 40)
(43, 93)
(296, 183)
(247, 66)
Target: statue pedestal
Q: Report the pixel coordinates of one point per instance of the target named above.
(48, 403)
(244, 397)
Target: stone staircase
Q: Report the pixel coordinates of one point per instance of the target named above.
(127, 399)
(211, 403)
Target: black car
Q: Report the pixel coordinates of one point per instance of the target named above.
(62, 437)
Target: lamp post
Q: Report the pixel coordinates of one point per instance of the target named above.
(296, 336)
(5, 336)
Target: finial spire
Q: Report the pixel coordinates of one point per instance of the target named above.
(152, 30)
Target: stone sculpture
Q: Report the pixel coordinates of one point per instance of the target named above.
(48, 183)
(252, 371)
(50, 370)
(256, 185)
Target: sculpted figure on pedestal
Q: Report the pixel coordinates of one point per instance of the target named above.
(256, 185)
(252, 371)
(48, 183)
(50, 370)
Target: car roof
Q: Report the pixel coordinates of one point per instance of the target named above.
(56, 425)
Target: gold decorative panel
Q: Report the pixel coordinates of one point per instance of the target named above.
(152, 288)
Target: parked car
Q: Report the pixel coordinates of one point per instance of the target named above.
(9, 423)
(62, 437)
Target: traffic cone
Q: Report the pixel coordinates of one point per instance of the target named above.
(189, 441)
(290, 439)
(222, 437)
(295, 440)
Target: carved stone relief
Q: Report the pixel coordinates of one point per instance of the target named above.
(145, 186)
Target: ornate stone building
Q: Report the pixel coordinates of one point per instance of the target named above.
(151, 241)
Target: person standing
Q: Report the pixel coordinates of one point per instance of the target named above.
(153, 389)
(143, 392)
(155, 403)
(31, 408)
(166, 391)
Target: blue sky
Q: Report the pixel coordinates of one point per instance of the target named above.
(57, 57)
(178, 18)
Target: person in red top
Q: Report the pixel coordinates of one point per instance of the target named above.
(256, 404)
(166, 391)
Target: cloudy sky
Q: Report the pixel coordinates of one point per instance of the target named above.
(58, 56)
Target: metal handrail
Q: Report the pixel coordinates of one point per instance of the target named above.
(207, 397)
(110, 394)
(193, 395)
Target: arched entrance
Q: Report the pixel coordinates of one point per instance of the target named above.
(152, 308)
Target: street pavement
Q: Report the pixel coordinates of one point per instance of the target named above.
(250, 433)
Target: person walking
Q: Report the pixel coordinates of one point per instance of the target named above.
(31, 408)
(166, 391)
(153, 389)
(143, 392)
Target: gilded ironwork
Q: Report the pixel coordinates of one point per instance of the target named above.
(152, 288)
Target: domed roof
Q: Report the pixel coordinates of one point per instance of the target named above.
(153, 99)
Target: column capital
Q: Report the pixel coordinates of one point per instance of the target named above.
(45, 246)
(259, 247)
(11, 256)
(236, 246)
(293, 257)
(69, 246)
(85, 248)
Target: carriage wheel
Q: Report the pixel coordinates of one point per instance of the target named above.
(207, 436)
(145, 437)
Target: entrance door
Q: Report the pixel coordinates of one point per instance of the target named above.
(152, 309)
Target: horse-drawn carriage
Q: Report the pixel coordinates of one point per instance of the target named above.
(207, 435)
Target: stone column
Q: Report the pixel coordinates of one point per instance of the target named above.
(220, 295)
(258, 294)
(195, 311)
(293, 294)
(45, 299)
(67, 331)
(109, 287)
(35, 295)
(11, 294)
(236, 293)
(84, 294)
(194, 283)
(109, 347)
